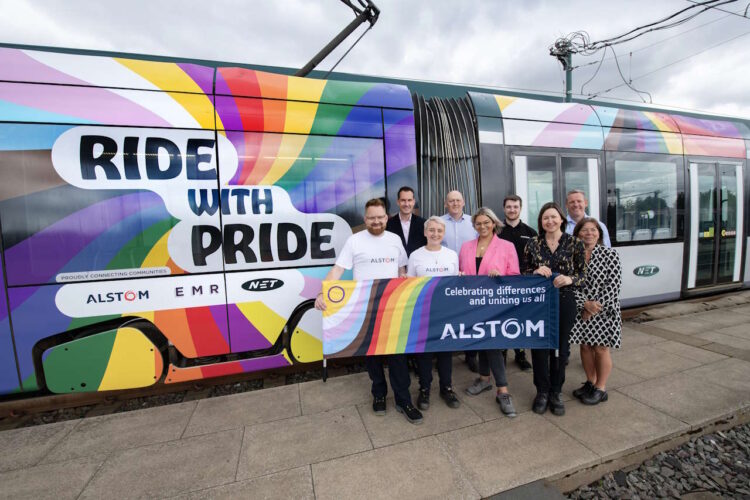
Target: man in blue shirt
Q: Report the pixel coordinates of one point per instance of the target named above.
(458, 230)
(576, 204)
(458, 226)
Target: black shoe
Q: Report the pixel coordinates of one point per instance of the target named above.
(378, 406)
(413, 415)
(556, 404)
(540, 403)
(522, 362)
(582, 391)
(423, 400)
(471, 362)
(595, 397)
(450, 398)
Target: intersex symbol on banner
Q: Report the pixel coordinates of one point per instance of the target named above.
(452, 313)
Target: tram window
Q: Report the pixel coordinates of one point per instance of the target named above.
(646, 200)
(541, 184)
(575, 175)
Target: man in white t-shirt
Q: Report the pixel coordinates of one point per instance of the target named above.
(378, 254)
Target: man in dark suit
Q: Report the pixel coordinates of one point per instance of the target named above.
(407, 225)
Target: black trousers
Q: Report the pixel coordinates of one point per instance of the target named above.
(549, 370)
(398, 373)
(444, 368)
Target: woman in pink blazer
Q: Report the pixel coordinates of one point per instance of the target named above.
(490, 256)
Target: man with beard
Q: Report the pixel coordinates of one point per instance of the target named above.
(371, 255)
(519, 234)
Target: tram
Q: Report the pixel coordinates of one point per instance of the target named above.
(164, 221)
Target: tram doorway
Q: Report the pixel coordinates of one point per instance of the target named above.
(540, 178)
(716, 221)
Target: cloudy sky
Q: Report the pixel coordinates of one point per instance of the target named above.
(493, 43)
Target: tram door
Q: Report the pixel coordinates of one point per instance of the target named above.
(716, 200)
(544, 177)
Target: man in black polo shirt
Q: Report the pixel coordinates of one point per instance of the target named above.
(519, 234)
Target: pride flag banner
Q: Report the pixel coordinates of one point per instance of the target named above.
(453, 313)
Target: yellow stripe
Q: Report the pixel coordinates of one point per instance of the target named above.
(132, 362)
(504, 101)
(305, 347)
(289, 150)
(159, 253)
(299, 117)
(304, 89)
(404, 292)
(169, 76)
(268, 323)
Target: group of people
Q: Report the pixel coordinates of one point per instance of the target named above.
(573, 250)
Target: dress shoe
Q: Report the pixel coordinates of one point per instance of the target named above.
(556, 404)
(540, 403)
(595, 397)
(582, 391)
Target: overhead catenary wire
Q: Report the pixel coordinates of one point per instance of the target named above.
(596, 94)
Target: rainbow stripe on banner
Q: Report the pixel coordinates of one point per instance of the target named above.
(415, 315)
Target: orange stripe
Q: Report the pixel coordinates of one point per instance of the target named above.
(378, 341)
(174, 325)
(272, 85)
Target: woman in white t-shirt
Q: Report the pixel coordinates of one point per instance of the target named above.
(433, 259)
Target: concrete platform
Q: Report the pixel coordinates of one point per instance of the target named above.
(674, 376)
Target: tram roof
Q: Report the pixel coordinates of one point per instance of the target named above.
(425, 88)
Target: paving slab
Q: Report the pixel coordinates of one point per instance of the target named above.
(686, 396)
(294, 483)
(338, 392)
(235, 411)
(290, 443)
(648, 362)
(685, 351)
(56, 481)
(496, 455)
(729, 340)
(394, 428)
(632, 338)
(164, 469)
(26, 447)
(123, 430)
(684, 325)
(732, 374)
(617, 425)
(415, 469)
(723, 317)
(741, 331)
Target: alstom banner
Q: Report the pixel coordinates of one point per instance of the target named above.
(454, 313)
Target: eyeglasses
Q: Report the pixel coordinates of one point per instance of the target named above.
(482, 224)
(375, 218)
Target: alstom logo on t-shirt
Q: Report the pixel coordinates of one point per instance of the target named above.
(382, 260)
(437, 269)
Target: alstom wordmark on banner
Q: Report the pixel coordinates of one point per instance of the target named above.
(451, 313)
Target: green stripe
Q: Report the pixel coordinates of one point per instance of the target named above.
(135, 251)
(79, 366)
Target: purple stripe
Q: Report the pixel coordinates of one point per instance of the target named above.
(221, 85)
(203, 76)
(244, 335)
(399, 142)
(424, 323)
(38, 258)
(227, 110)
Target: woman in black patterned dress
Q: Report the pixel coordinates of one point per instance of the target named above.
(599, 324)
(560, 256)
